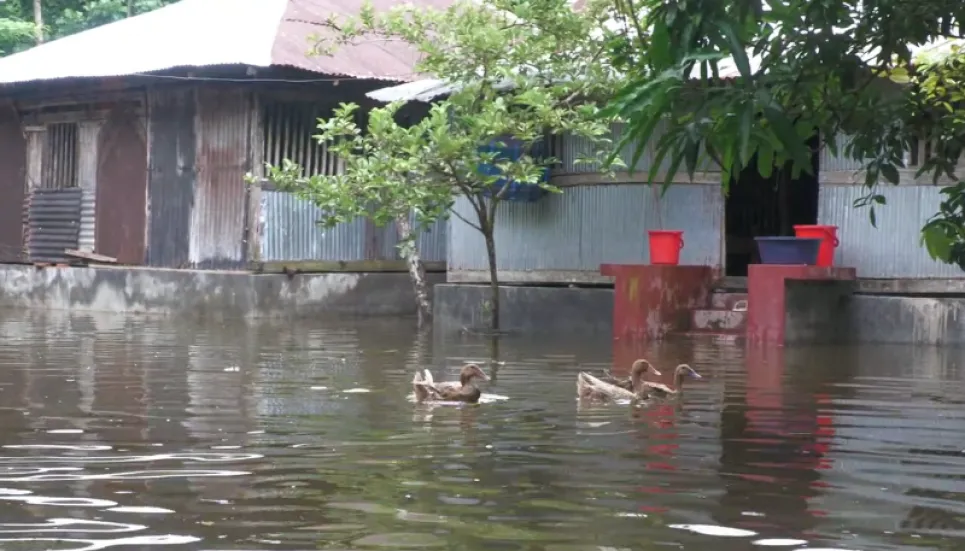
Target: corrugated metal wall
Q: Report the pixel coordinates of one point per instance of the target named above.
(569, 149)
(591, 225)
(218, 226)
(121, 187)
(88, 132)
(891, 250)
(290, 233)
(53, 223)
(172, 152)
(13, 184)
(88, 215)
(289, 230)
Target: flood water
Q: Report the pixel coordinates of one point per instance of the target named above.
(137, 433)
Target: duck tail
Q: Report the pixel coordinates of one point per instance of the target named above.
(418, 386)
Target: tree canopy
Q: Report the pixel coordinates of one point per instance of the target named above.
(61, 18)
(842, 69)
(518, 71)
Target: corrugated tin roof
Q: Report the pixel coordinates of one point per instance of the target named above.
(370, 58)
(200, 33)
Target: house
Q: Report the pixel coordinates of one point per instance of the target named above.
(132, 140)
(564, 238)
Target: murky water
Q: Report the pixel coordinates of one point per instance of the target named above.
(132, 433)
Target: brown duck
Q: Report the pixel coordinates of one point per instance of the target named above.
(641, 365)
(659, 390)
(589, 387)
(463, 390)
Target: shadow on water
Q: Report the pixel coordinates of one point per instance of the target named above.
(139, 433)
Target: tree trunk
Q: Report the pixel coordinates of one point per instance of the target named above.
(130, 8)
(487, 229)
(39, 21)
(416, 269)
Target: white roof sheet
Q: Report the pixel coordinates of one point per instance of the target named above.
(209, 32)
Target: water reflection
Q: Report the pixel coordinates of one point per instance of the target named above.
(137, 433)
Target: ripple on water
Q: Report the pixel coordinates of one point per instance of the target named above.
(399, 540)
(140, 510)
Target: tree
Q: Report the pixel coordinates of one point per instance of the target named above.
(517, 70)
(25, 23)
(841, 68)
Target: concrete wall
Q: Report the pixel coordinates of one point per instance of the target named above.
(817, 312)
(207, 293)
(528, 310)
(908, 320)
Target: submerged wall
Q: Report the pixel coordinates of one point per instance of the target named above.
(221, 294)
(582, 312)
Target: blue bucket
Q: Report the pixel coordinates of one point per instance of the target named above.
(788, 250)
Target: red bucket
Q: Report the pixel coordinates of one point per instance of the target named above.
(828, 237)
(665, 246)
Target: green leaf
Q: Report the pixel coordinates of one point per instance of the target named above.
(746, 120)
(890, 173)
(737, 51)
(692, 154)
(792, 143)
(765, 160)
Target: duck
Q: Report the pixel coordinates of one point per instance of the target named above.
(661, 390)
(463, 390)
(627, 382)
(589, 387)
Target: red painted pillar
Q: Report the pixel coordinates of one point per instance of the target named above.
(766, 306)
(651, 301)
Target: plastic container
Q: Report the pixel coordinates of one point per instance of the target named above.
(665, 246)
(829, 237)
(511, 150)
(788, 250)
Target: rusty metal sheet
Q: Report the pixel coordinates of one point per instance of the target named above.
(369, 58)
(121, 188)
(171, 178)
(53, 223)
(13, 182)
(218, 219)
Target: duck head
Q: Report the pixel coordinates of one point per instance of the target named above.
(684, 370)
(470, 372)
(640, 368)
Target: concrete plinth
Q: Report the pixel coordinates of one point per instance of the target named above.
(650, 302)
(798, 303)
(207, 293)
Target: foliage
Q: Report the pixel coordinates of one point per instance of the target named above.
(939, 100)
(804, 67)
(520, 69)
(62, 18)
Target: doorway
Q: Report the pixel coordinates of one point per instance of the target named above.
(757, 206)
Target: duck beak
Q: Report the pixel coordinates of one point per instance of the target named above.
(656, 371)
(696, 375)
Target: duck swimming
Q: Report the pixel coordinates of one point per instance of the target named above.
(589, 387)
(661, 390)
(463, 390)
(627, 382)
